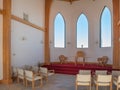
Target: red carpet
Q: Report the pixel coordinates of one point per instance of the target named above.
(73, 69)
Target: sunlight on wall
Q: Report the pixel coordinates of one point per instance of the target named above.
(1, 49)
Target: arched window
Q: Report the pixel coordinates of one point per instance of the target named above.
(59, 31)
(105, 32)
(82, 32)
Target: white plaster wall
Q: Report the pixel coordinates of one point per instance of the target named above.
(1, 42)
(92, 9)
(27, 43)
(34, 8)
(1, 47)
(1, 4)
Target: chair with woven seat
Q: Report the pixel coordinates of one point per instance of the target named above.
(103, 80)
(116, 81)
(30, 76)
(85, 72)
(62, 59)
(101, 72)
(83, 80)
(80, 55)
(45, 72)
(14, 73)
(20, 75)
(115, 73)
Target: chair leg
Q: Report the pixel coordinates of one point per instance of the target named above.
(90, 86)
(26, 82)
(76, 87)
(23, 82)
(41, 83)
(96, 87)
(33, 84)
(117, 87)
(17, 79)
(46, 77)
(111, 87)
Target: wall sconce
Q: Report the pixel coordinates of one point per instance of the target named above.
(96, 42)
(50, 42)
(23, 38)
(41, 42)
(68, 43)
(14, 54)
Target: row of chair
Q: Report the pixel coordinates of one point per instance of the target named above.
(33, 75)
(101, 78)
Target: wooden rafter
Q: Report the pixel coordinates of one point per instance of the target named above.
(69, 1)
(26, 22)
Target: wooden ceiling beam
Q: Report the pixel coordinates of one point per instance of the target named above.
(26, 22)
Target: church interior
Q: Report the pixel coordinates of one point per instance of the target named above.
(63, 37)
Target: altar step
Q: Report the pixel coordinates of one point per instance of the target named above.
(74, 69)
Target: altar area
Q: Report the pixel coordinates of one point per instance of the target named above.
(73, 69)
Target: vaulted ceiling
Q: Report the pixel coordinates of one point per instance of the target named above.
(71, 1)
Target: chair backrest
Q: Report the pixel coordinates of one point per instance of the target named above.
(62, 57)
(35, 68)
(80, 55)
(43, 70)
(115, 73)
(28, 74)
(101, 72)
(83, 78)
(20, 71)
(14, 71)
(118, 79)
(27, 67)
(104, 59)
(104, 78)
(84, 72)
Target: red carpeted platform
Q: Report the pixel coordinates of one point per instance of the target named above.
(71, 68)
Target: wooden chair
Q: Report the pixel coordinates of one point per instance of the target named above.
(101, 72)
(20, 75)
(116, 81)
(45, 72)
(80, 55)
(103, 80)
(115, 73)
(83, 80)
(85, 72)
(103, 60)
(35, 69)
(29, 76)
(62, 59)
(14, 73)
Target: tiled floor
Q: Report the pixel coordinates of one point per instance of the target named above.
(55, 82)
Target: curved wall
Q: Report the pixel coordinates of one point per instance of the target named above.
(92, 9)
(1, 42)
(27, 43)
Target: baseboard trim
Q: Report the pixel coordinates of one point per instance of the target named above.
(6, 81)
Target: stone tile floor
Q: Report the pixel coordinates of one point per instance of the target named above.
(55, 82)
